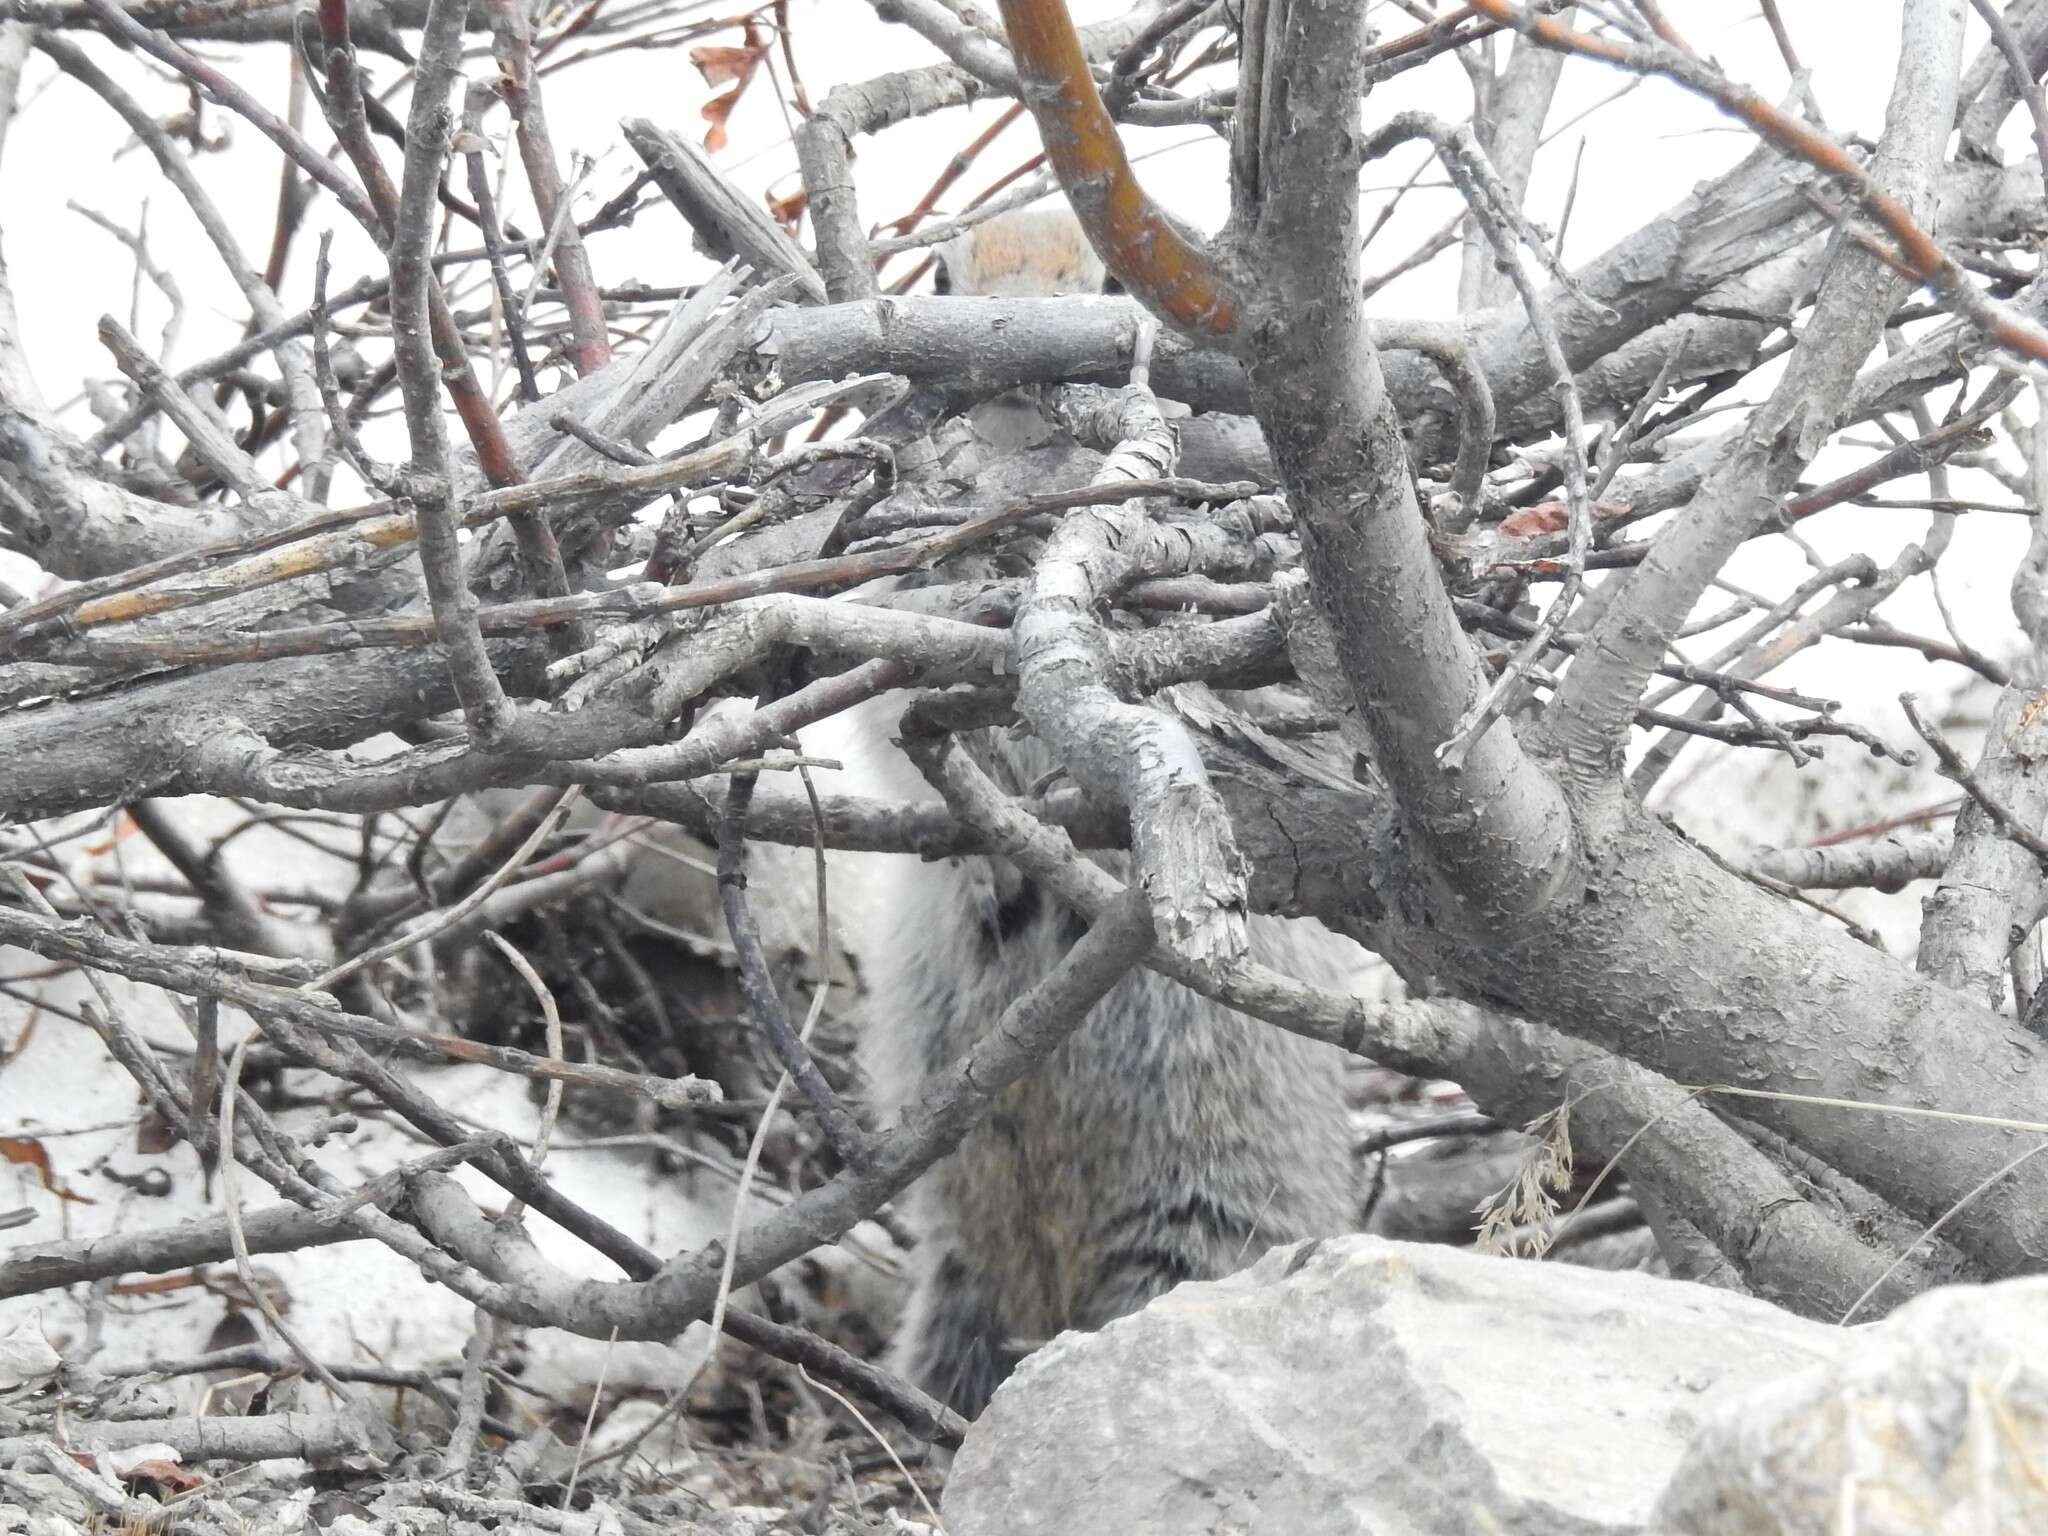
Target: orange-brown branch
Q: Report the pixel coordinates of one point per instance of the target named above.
(1160, 266)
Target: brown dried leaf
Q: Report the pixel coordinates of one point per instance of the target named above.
(31, 1153)
(716, 111)
(21, 1041)
(1553, 516)
(124, 826)
(726, 66)
(1544, 517)
(164, 1477)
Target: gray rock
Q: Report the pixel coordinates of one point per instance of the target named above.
(1935, 1421)
(1361, 1385)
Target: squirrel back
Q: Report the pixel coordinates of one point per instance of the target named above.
(1167, 1139)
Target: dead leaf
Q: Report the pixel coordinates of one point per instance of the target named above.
(29, 1152)
(124, 826)
(716, 111)
(1553, 517)
(2031, 713)
(160, 1476)
(28, 1033)
(723, 65)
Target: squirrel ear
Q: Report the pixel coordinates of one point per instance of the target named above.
(942, 277)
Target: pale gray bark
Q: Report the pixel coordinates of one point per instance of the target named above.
(1886, 864)
(1498, 832)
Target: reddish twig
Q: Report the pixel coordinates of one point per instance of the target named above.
(512, 43)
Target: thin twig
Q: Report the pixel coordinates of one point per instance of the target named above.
(764, 1002)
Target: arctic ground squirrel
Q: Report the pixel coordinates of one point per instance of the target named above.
(1168, 1139)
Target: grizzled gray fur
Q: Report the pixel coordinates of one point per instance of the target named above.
(1168, 1139)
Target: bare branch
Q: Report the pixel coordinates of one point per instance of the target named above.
(763, 1001)
(1994, 873)
(419, 377)
(1888, 864)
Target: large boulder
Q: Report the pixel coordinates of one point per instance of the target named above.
(1360, 1385)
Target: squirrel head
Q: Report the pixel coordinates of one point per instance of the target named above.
(1030, 253)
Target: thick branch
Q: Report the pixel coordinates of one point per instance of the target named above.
(1128, 755)
(1498, 831)
(1991, 880)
